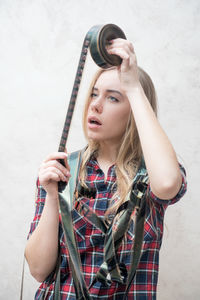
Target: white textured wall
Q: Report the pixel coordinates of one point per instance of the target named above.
(40, 43)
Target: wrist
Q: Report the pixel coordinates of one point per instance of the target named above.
(134, 91)
(52, 203)
(52, 195)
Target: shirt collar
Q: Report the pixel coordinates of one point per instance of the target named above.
(92, 162)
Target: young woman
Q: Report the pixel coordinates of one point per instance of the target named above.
(121, 126)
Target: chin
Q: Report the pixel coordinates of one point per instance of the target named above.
(94, 138)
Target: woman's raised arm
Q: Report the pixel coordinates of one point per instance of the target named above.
(160, 158)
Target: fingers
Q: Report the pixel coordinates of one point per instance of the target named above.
(128, 69)
(54, 164)
(52, 170)
(53, 161)
(121, 52)
(56, 155)
(53, 173)
(121, 44)
(124, 49)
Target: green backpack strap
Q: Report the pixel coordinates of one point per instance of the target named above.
(74, 161)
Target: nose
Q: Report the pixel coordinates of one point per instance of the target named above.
(97, 104)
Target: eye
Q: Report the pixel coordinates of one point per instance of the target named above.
(93, 95)
(113, 99)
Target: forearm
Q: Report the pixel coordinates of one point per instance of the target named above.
(159, 155)
(42, 247)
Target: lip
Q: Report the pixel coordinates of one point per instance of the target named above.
(93, 125)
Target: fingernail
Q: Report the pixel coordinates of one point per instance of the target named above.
(66, 173)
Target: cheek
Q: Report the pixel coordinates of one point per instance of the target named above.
(120, 120)
(123, 115)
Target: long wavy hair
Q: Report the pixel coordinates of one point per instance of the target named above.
(130, 151)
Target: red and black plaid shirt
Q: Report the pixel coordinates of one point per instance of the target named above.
(90, 241)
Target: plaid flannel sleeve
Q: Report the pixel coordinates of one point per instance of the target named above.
(179, 195)
(39, 205)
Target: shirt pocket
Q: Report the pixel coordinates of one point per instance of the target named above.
(97, 239)
(86, 233)
(150, 232)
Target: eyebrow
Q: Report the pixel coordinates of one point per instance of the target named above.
(109, 91)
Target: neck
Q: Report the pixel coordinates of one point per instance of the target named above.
(108, 152)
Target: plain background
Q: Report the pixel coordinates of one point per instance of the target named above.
(40, 44)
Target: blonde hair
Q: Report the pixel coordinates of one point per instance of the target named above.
(130, 152)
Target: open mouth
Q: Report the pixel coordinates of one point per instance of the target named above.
(94, 121)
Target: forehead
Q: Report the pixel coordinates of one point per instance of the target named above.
(109, 79)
